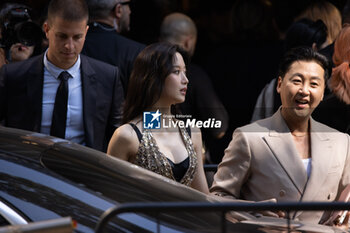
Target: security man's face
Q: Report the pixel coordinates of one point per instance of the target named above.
(66, 40)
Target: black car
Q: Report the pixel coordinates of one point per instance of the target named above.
(43, 177)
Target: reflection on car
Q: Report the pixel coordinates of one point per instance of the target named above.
(43, 178)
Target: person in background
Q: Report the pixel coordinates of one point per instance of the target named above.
(103, 42)
(345, 20)
(254, 43)
(122, 12)
(21, 38)
(296, 157)
(331, 16)
(304, 32)
(334, 110)
(328, 13)
(157, 82)
(61, 92)
(201, 101)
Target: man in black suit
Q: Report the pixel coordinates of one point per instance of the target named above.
(61, 92)
(201, 101)
(107, 19)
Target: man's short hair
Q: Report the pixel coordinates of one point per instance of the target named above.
(70, 10)
(175, 26)
(303, 54)
(100, 9)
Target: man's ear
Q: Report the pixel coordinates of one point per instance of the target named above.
(187, 43)
(118, 11)
(279, 83)
(46, 28)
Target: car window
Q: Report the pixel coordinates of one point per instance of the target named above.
(40, 196)
(92, 170)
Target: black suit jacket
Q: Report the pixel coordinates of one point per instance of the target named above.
(21, 93)
(105, 44)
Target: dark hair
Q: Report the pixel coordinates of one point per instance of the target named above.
(71, 10)
(303, 54)
(327, 12)
(305, 32)
(151, 67)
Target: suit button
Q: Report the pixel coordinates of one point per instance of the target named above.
(282, 193)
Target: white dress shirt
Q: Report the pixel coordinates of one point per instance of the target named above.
(74, 124)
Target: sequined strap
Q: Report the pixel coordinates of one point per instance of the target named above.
(189, 175)
(188, 130)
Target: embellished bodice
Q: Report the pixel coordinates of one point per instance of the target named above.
(149, 157)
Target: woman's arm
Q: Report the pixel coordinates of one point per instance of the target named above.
(199, 182)
(124, 143)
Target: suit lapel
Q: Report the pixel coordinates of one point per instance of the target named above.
(88, 78)
(35, 82)
(321, 161)
(283, 149)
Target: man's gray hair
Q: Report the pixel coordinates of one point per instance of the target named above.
(100, 9)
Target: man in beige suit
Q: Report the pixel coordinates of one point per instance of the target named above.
(289, 156)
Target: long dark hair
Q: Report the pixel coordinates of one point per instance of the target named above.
(151, 68)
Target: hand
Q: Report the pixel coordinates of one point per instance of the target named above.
(277, 214)
(339, 219)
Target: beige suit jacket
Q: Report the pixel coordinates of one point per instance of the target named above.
(262, 162)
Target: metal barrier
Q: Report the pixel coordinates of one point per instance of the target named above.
(222, 207)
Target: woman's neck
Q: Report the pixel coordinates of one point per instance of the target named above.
(163, 109)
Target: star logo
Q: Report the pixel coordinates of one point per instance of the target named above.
(151, 120)
(156, 116)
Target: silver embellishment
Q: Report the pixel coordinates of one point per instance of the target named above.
(149, 157)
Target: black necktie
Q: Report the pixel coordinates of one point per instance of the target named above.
(59, 115)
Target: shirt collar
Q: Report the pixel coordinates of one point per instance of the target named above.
(55, 71)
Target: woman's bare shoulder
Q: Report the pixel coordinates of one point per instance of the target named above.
(125, 132)
(124, 140)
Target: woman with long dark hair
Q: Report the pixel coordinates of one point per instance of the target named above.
(158, 81)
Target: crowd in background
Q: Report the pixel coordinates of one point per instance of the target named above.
(88, 72)
(238, 47)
